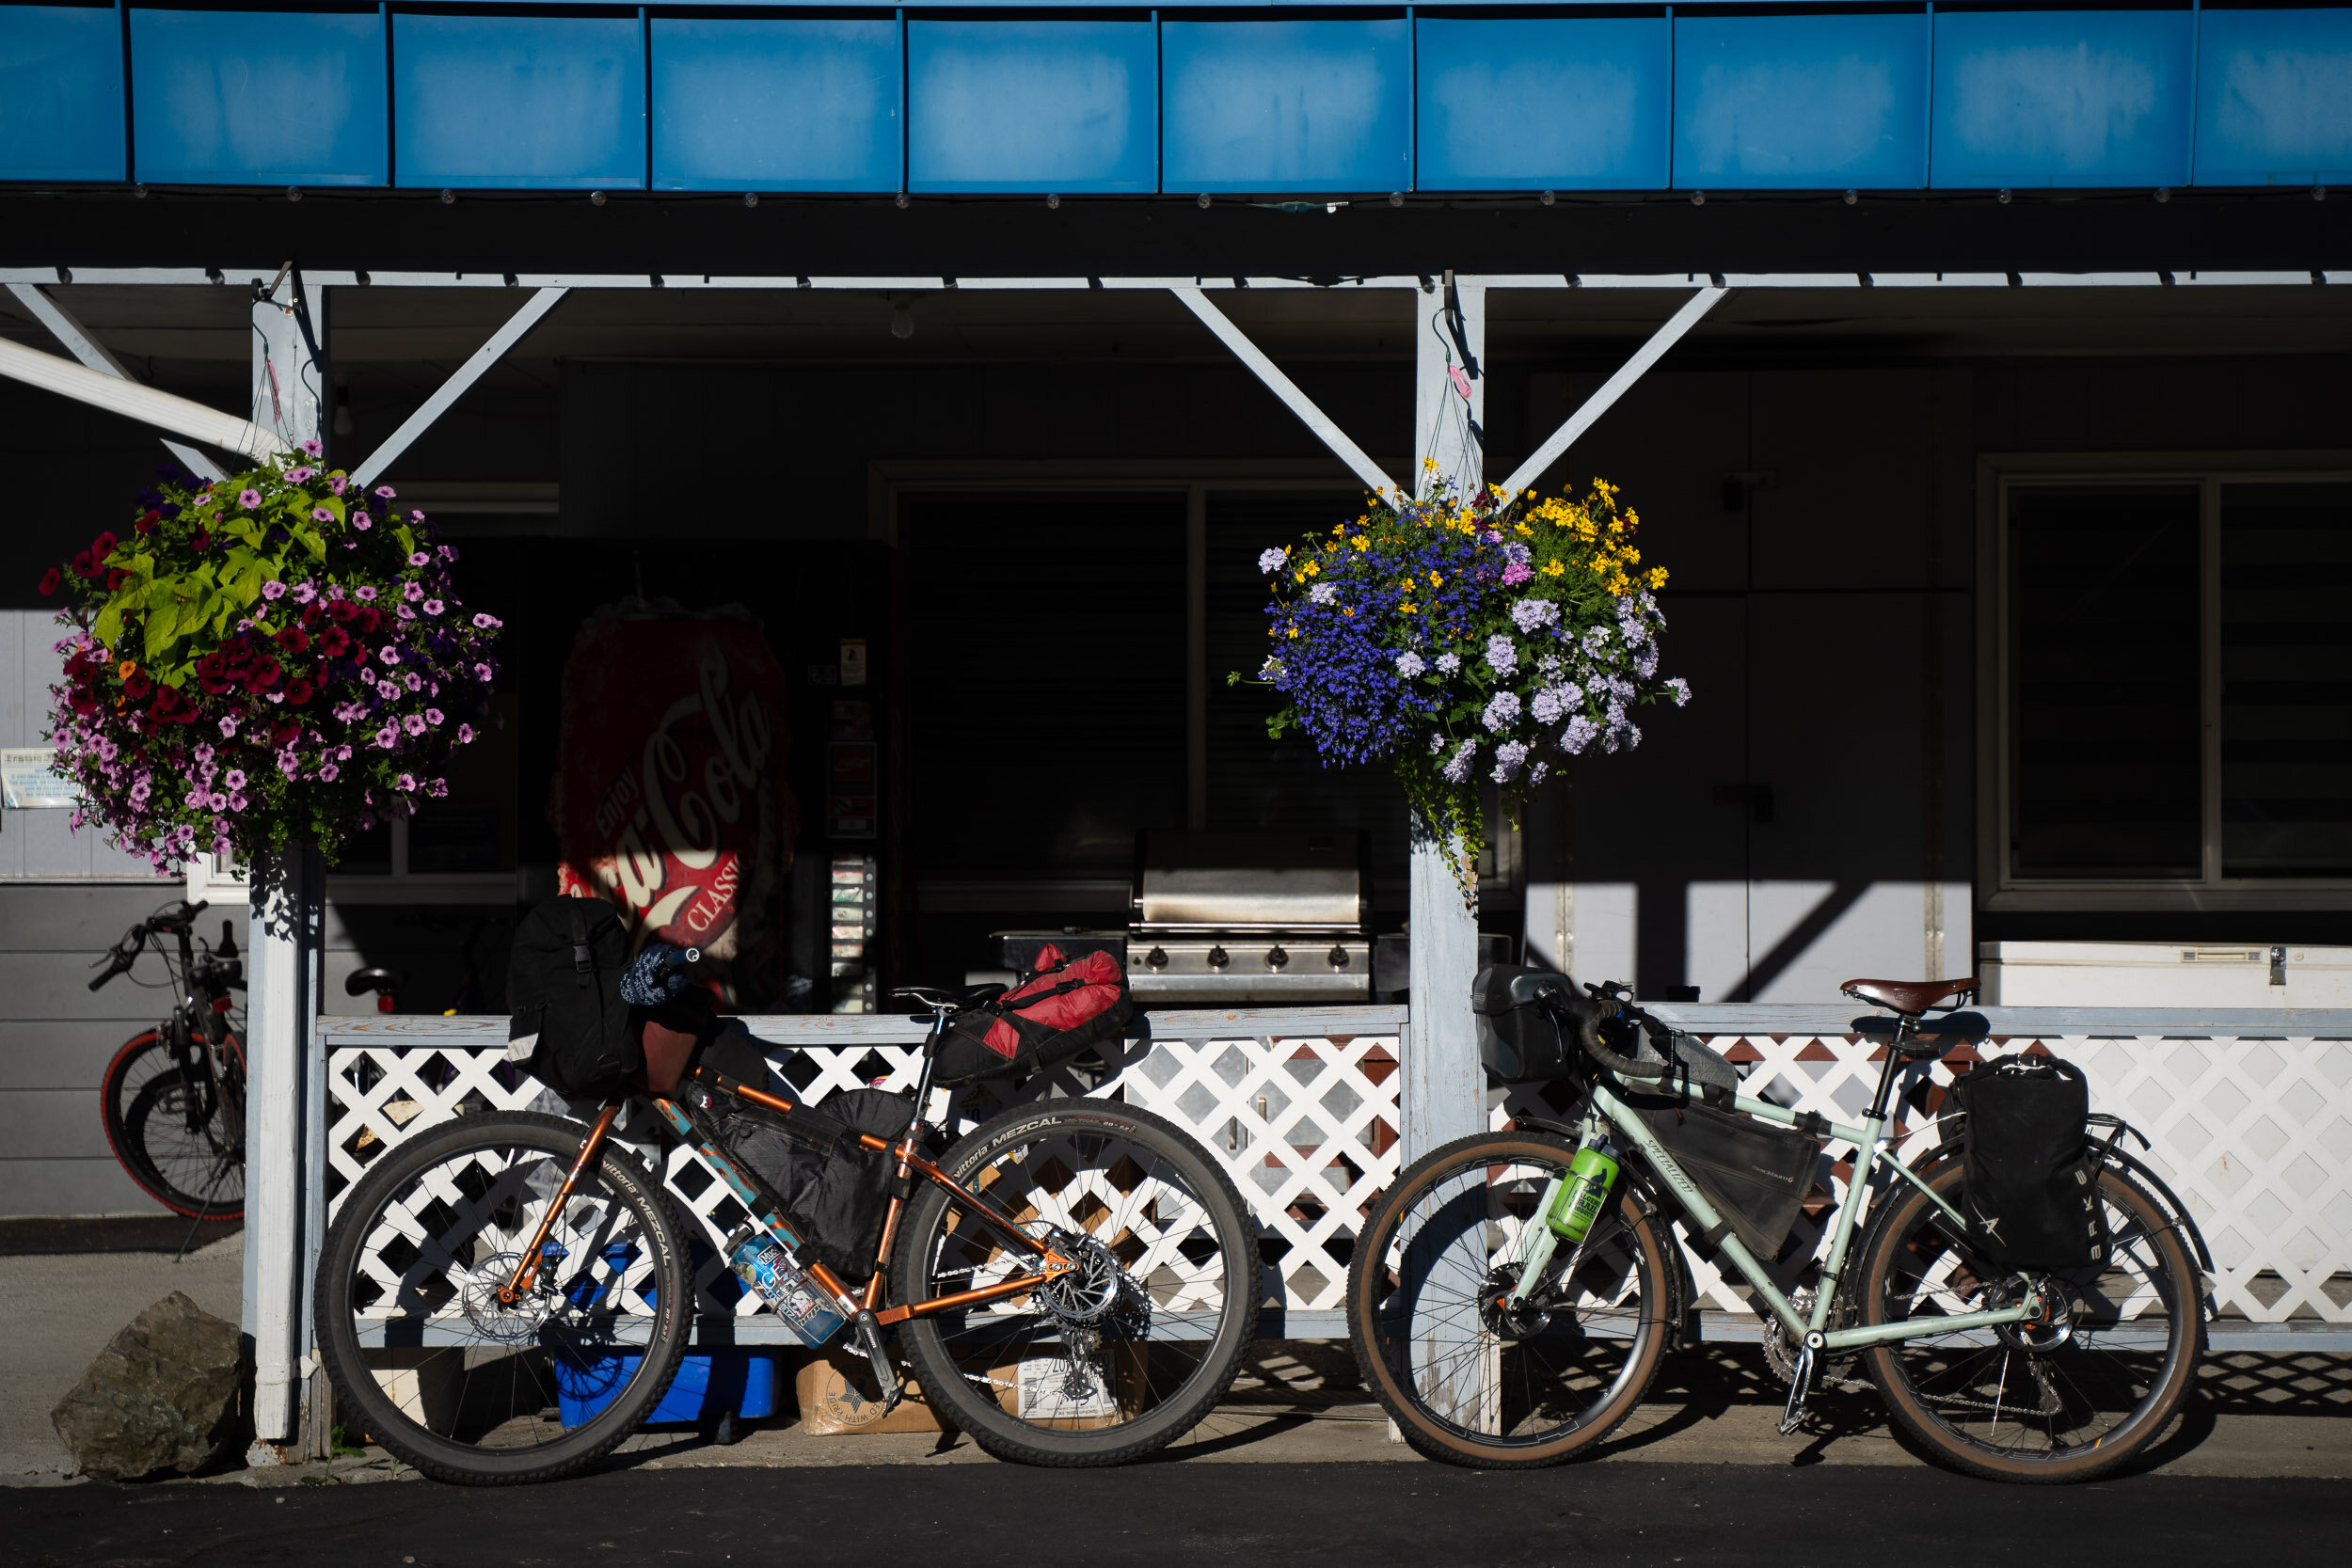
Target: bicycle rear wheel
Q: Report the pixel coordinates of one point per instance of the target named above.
(178, 1136)
(435, 1367)
(2063, 1402)
(1469, 1381)
(1125, 1354)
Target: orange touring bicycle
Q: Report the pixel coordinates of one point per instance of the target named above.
(505, 1297)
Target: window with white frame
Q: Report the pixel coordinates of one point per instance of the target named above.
(2175, 681)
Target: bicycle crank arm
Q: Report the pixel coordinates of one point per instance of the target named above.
(885, 1376)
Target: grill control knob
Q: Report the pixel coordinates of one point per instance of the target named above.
(1218, 957)
(1276, 957)
(1339, 955)
(1157, 957)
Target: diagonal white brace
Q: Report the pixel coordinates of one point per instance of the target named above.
(1283, 386)
(91, 352)
(165, 410)
(456, 386)
(1614, 389)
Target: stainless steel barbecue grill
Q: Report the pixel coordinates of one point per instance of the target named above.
(1251, 917)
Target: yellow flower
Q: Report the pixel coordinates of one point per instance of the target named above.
(1408, 608)
(1360, 542)
(1554, 568)
(1435, 581)
(1658, 576)
(1429, 464)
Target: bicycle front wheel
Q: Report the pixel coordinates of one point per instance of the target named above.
(1126, 1352)
(2063, 1401)
(1469, 1377)
(469, 1388)
(177, 1136)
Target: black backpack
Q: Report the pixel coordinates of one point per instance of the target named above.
(568, 1026)
(2032, 1194)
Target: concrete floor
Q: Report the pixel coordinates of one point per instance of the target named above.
(2268, 1416)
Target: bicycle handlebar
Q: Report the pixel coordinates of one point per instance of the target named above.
(1586, 1013)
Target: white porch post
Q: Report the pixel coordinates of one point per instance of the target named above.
(1441, 1088)
(286, 1085)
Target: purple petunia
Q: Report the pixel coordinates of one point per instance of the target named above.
(328, 771)
(273, 589)
(418, 559)
(385, 491)
(234, 778)
(363, 594)
(301, 475)
(407, 782)
(249, 498)
(388, 737)
(464, 734)
(228, 726)
(388, 654)
(413, 724)
(433, 717)
(432, 607)
(320, 515)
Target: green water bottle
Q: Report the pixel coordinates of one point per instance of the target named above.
(1591, 1175)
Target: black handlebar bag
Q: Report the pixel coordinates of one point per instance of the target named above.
(2032, 1194)
(567, 1025)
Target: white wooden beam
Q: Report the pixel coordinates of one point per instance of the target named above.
(91, 352)
(164, 410)
(456, 386)
(1614, 387)
(1283, 386)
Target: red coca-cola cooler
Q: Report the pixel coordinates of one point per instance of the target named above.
(668, 798)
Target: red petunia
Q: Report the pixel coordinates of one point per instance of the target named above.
(172, 708)
(262, 675)
(116, 578)
(334, 641)
(145, 525)
(298, 691)
(203, 539)
(295, 639)
(49, 581)
(138, 686)
(310, 613)
(287, 733)
(343, 610)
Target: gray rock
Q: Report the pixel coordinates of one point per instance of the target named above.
(162, 1396)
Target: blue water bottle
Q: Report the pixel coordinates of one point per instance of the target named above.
(798, 1300)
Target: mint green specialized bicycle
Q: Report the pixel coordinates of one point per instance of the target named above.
(1495, 1344)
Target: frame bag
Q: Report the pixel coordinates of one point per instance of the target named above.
(567, 1025)
(1756, 1172)
(2032, 1186)
(1059, 1010)
(833, 1191)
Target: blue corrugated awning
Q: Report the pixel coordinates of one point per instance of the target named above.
(1299, 99)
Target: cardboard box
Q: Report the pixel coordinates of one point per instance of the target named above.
(838, 1398)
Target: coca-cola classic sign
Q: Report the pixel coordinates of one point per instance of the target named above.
(668, 798)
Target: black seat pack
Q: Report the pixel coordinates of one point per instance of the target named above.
(2032, 1186)
(567, 1025)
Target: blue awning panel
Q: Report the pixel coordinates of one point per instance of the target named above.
(2061, 98)
(1021, 105)
(763, 103)
(1805, 103)
(1304, 108)
(1518, 103)
(524, 102)
(260, 98)
(60, 93)
(2273, 98)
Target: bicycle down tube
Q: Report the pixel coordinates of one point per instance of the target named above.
(1868, 1141)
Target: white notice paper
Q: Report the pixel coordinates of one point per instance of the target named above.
(27, 781)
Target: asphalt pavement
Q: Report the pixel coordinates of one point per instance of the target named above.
(1179, 1513)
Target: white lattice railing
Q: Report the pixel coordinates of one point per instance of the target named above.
(1300, 1105)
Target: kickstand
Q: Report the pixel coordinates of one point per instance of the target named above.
(885, 1375)
(1800, 1384)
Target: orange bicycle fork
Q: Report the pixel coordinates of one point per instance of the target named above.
(527, 1266)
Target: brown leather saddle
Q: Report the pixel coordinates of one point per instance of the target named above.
(1909, 997)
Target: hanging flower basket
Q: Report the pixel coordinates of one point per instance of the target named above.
(274, 658)
(1467, 640)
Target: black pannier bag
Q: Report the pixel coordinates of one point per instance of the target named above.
(567, 1025)
(834, 1191)
(1756, 1172)
(2032, 1185)
(1059, 1010)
